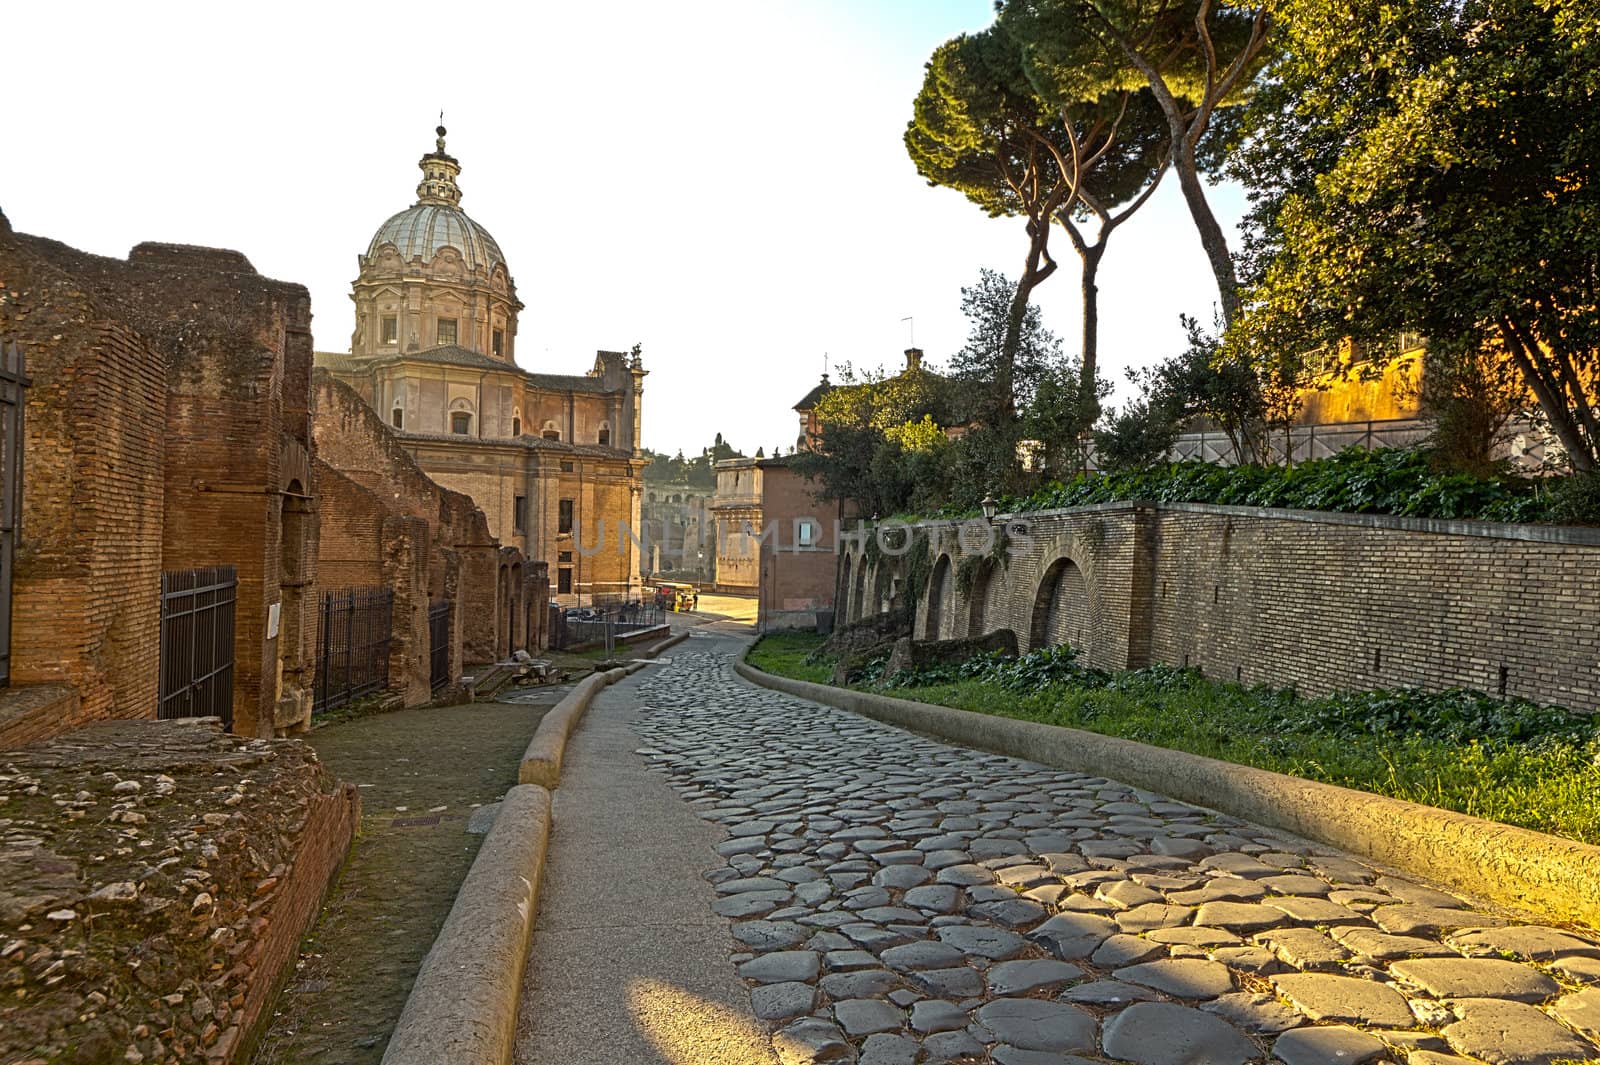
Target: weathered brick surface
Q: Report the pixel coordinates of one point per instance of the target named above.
(1322, 602)
(386, 523)
(164, 433)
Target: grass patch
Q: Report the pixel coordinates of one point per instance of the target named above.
(788, 654)
(1503, 760)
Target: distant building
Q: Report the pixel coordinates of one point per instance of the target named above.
(553, 460)
(678, 532)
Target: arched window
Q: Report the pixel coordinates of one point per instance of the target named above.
(397, 418)
(461, 423)
(516, 425)
(550, 432)
(605, 434)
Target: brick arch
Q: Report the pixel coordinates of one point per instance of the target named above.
(858, 601)
(1061, 607)
(986, 601)
(941, 590)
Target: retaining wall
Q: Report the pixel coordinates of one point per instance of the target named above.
(1316, 600)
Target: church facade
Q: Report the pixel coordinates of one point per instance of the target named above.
(553, 460)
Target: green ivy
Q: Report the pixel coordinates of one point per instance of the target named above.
(1400, 481)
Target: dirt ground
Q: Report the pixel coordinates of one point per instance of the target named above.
(421, 773)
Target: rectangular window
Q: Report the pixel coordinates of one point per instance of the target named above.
(564, 580)
(447, 331)
(564, 517)
(461, 423)
(805, 532)
(398, 417)
(519, 514)
(564, 556)
(391, 329)
(498, 342)
(566, 467)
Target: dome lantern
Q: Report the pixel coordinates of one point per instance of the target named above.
(439, 171)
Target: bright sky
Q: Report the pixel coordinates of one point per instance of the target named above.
(722, 182)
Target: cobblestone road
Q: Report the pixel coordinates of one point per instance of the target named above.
(896, 900)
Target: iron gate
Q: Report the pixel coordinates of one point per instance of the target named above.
(353, 631)
(197, 612)
(439, 644)
(13, 380)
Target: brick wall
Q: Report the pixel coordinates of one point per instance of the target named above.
(87, 584)
(171, 414)
(1320, 601)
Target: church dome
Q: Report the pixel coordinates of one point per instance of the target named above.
(421, 230)
(437, 221)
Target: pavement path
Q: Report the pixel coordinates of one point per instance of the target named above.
(891, 900)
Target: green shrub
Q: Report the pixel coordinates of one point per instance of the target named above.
(1402, 481)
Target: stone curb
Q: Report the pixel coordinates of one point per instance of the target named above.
(541, 763)
(463, 1007)
(1555, 878)
(672, 642)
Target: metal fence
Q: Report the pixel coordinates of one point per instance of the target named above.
(1306, 441)
(197, 615)
(13, 379)
(354, 626)
(439, 644)
(583, 625)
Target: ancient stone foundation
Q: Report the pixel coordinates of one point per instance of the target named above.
(155, 881)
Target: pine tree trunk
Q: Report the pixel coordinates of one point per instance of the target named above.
(1212, 238)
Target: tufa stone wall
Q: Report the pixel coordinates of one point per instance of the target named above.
(1320, 601)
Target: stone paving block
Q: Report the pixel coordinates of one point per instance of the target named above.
(1316, 911)
(1071, 936)
(1108, 993)
(927, 954)
(1240, 916)
(782, 965)
(1341, 870)
(1583, 970)
(1121, 950)
(884, 1049)
(1381, 946)
(864, 1016)
(1125, 894)
(957, 982)
(1476, 978)
(983, 941)
(1581, 1009)
(1323, 997)
(811, 1042)
(779, 1002)
(1433, 1057)
(1295, 884)
(1262, 1014)
(1192, 978)
(937, 1015)
(953, 1046)
(770, 935)
(1219, 889)
(860, 983)
(1011, 913)
(1194, 936)
(1418, 894)
(1237, 864)
(1330, 1045)
(1165, 1033)
(1304, 948)
(1034, 1024)
(1535, 942)
(1408, 920)
(1028, 975)
(1514, 1033)
(1255, 960)
(751, 903)
(1152, 916)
